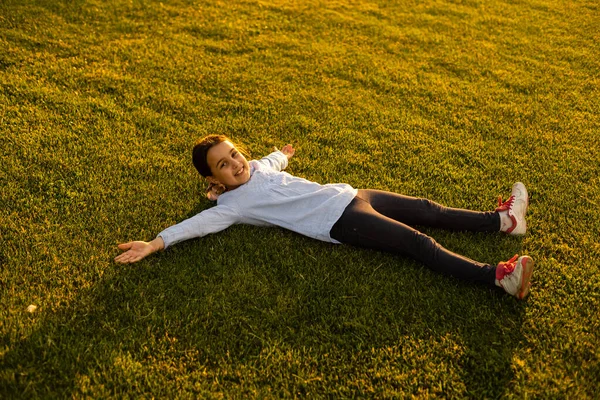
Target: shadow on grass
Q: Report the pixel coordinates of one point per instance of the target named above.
(226, 314)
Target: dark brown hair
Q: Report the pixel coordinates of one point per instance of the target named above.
(200, 152)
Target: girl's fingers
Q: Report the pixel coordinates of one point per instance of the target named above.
(123, 257)
(124, 246)
(128, 257)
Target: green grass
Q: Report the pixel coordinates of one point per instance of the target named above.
(100, 103)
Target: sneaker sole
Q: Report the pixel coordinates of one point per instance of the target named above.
(527, 272)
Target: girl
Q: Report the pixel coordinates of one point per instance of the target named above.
(260, 193)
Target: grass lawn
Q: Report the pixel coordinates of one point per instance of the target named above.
(101, 101)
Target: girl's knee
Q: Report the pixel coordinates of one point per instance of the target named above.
(425, 242)
(432, 210)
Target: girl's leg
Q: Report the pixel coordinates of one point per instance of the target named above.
(361, 225)
(416, 211)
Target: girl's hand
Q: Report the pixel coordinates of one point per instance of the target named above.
(135, 251)
(288, 150)
(212, 195)
(214, 190)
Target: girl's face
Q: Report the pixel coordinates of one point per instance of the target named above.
(228, 166)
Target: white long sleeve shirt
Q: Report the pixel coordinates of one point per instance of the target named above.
(270, 198)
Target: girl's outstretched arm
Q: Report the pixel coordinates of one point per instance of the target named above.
(136, 251)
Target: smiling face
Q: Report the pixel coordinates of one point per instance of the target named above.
(228, 166)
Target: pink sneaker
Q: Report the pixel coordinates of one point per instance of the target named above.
(514, 275)
(516, 206)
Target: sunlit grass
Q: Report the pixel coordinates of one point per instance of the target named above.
(100, 103)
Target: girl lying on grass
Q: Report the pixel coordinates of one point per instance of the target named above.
(259, 193)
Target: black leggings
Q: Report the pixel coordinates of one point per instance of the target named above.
(382, 220)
